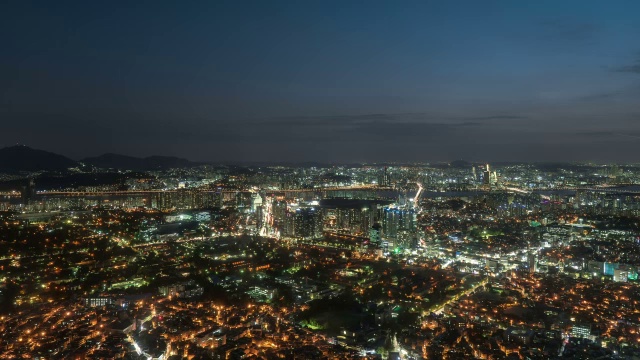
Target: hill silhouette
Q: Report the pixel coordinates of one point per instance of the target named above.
(24, 158)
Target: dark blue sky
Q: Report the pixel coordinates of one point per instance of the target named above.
(324, 81)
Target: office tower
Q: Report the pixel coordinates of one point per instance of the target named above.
(489, 177)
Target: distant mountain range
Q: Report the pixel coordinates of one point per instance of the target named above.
(24, 158)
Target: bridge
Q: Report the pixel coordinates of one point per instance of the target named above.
(607, 189)
(229, 191)
(10, 193)
(617, 189)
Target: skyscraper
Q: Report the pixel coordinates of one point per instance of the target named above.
(399, 225)
(533, 262)
(28, 191)
(303, 223)
(383, 179)
(489, 177)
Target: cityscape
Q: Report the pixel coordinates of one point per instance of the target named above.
(320, 180)
(396, 261)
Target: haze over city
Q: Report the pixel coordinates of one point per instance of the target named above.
(328, 81)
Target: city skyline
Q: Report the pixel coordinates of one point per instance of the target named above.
(282, 180)
(332, 82)
(351, 262)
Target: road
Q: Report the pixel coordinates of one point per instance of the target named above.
(441, 307)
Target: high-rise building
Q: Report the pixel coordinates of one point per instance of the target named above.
(278, 212)
(244, 200)
(489, 177)
(375, 234)
(256, 202)
(384, 179)
(533, 262)
(28, 191)
(179, 199)
(355, 221)
(399, 225)
(303, 223)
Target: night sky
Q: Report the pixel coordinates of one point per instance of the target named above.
(325, 81)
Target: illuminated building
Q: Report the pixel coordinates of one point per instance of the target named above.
(581, 331)
(489, 177)
(384, 179)
(355, 220)
(533, 263)
(256, 202)
(279, 212)
(29, 191)
(98, 301)
(622, 273)
(375, 234)
(518, 335)
(399, 226)
(303, 223)
(244, 200)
